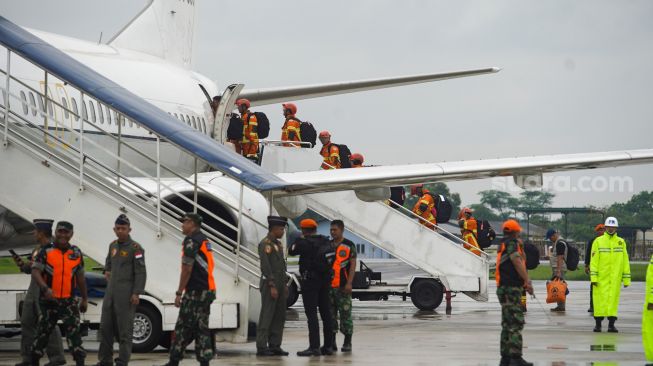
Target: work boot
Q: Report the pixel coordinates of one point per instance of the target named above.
(519, 361)
(612, 329)
(558, 309)
(326, 351)
(309, 352)
(346, 345)
(262, 353)
(56, 363)
(505, 361)
(278, 351)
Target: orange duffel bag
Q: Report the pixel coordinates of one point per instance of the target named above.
(556, 291)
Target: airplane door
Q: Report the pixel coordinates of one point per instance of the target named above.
(223, 113)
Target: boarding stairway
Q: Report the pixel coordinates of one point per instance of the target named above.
(397, 231)
(57, 163)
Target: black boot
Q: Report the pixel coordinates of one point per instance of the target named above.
(346, 345)
(309, 352)
(204, 363)
(597, 327)
(35, 360)
(80, 361)
(519, 361)
(327, 351)
(505, 361)
(334, 345)
(278, 351)
(611, 327)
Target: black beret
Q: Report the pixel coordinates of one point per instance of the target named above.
(196, 218)
(64, 225)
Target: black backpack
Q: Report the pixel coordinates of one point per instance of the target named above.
(443, 208)
(486, 233)
(324, 253)
(397, 195)
(344, 152)
(573, 257)
(308, 132)
(235, 129)
(532, 256)
(263, 125)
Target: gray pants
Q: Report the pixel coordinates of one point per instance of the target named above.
(269, 332)
(116, 323)
(28, 322)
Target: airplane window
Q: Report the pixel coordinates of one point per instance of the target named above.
(131, 123)
(84, 112)
(41, 106)
(32, 103)
(100, 113)
(73, 103)
(109, 115)
(188, 120)
(194, 123)
(91, 107)
(23, 99)
(176, 116)
(64, 104)
(50, 109)
(203, 125)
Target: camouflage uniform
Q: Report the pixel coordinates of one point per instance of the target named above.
(65, 309)
(340, 301)
(193, 321)
(193, 325)
(30, 316)
(509, 292)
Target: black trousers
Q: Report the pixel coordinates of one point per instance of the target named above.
(316, 294)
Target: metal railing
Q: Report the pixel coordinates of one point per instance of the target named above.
(71, 138)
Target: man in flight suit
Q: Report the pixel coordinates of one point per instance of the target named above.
(124, 270)
(30, 314)
(58, 270)
(274, 290)
(315, 256)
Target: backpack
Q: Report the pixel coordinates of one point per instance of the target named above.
(486, 234)
(308, 132)
(263, 125)
(235, 129)
(443, 207)
(397, 195)
(532, 256)
(344, 153)
(572, 257)
(324, 255)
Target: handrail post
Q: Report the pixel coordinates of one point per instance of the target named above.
(238, 234)
(81, 147)
(158, 186)
(45, 108)
(119, 143)
(195, 187)
(5, 139)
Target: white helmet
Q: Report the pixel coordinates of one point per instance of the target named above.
(611, 222)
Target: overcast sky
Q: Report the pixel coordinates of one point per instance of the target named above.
(576, 74)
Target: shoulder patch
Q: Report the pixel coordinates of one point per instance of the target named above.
(268, 248)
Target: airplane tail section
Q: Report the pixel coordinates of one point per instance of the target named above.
(164, 28)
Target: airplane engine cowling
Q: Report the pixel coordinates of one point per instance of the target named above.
(373, 194)
(291, 207)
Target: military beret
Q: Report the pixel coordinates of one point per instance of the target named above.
(277, 221)
(64, 225)
(123, 220)
(43, 224)
(196, 218)
(308, 224)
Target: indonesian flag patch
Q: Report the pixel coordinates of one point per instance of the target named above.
(138, 255)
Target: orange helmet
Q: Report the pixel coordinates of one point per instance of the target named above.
(414, 188)
(244, 101)
(290, 106)
(357, 157)
(325, 134)
(511, 226)
(599, 227)
(465, 210)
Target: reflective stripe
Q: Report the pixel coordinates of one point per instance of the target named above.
(204, 248)
(342, 254)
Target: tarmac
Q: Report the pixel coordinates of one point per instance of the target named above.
(394, 332)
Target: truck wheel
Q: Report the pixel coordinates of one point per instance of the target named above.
(147, 329)
(427, 294)
(293, 295)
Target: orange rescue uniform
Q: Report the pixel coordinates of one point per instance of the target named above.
(331, 154)
(469, 231)
(425, 208)
(291, 131)
(249, 143)
(60, 270)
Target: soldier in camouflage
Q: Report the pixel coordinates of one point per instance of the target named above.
(59, 270)
(344, 269)
(195, 294)
(512, 277)
(124, 269)
(31, 312)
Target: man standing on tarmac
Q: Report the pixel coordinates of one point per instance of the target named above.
(558, 261)
(647, 315)
(512, 277)
(608, 269)
(195, 293)
(599, 230)
(274, 290)
(58, 271)
(315, 260)
(30, 314)
(344, 269)
(124, 270)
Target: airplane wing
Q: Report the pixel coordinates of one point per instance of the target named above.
(284, 94)
(384, 176)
